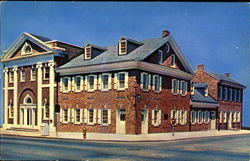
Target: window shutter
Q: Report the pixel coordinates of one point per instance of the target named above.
(186, 88)
(126, 80)
(172, 86)
(149, 82)
(109, 116)
(153, 114)
(85, 115)
(115, 81)
(81, 115)
(95, 82)
(153, 83)
(94, 116)
(82, 84)
(160, 86)
(141, 82)
(73, 84)
(61, 115)
(99, 116)
(61, 84)
(69, 88)
(100, 82)
(159, 117)
(110, 81)
(86, 83)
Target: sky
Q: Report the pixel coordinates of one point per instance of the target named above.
(213, 34)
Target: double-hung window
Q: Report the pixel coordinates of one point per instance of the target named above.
(145, 81)
(156, 83)
(206, 117)
(225, 93)
(182, 117)
(220, 92)
(230, 94)
(239, 96)
(11, 110)
(66, 84)
(11, 77)
(183, 87)
(77, 115)
(235, 95)
(156, 117)
(87, 54)
(122, 47)
(105, 81)
(91, 81)
(77, 83)
(192, 116)
(22, 75)
(91, 116)
(200, 117)
(33, 74)
(104, 116)
(175, 86)
(121, 80)
(65, 115)
(46, 72)
(225, 117)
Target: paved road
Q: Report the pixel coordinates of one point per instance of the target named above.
(219, 149)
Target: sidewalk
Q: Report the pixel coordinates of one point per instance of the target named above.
(125, 137)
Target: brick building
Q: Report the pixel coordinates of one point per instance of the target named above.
(227, 92)
(30, 88)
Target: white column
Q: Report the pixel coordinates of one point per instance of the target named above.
(21, 116)
(15, 96)
(6, 81)
(51, 93)
(33, 117)
(25, 116)
(39, 94)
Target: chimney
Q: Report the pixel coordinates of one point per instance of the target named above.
(200, 67)
(227, 74)
(165, 33)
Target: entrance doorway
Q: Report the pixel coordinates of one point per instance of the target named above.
(121, 121)
(144, 121)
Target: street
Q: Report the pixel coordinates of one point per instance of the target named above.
(214, 148)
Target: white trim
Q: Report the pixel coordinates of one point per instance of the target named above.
(44, 69)
(94, 83)
(75, 84)
(192, 117)
(26, 45)
(85, 52)
(126, 47)
(126, 77)
(75, 116)
(174, 61)
(31, 76)
(102, 81)
(63, 85)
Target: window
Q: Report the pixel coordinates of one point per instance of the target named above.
(234, 116)
(192, 88)
(122, 47)
(156, 117)
(183, 87)
(235, 95)
(200, 117)
(77, 115)
(33, 74)
(145, 81)
(220, 92)
(192, 117)
(239, 96)
(65, 115)
(225, 117)
(46, 110)
(121, 80)
(46, 72)
(66, 84)
(175, 86)
(22, 75)
(91, 79)
(26, 49)
(104, 116)
(11, 110)
(78, 83)
(182, 117)
(105, 81)
(156, 83)
(225, 93)
(122, 115)
(206, 91)
(172, 60)
(160, 57)
(230, 94)
(87, 52)
(91, 116)
(206, 117)
(11, 77)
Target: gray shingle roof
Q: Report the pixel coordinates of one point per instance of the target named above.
(198, 97)
(222, 77)
(44, 39)
(110, 55)
(200, 85)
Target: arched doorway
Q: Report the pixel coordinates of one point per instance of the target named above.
(28, 112)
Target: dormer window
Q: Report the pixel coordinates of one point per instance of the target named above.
(192, 88)
(87, 54)
(122, 47)
(26, 49)
(206, 91)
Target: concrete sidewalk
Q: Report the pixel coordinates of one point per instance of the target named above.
(126, 137)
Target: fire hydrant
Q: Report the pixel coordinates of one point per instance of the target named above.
(84, 133)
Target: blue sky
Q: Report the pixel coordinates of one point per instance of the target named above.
(213, 34)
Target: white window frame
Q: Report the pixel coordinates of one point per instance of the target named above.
(126, 47)
(174, 115)
(11, 76)
(31, 74)
(86, 57)
(175, 86)
(192, 88)
(182, 117)
(161, 56)
(75, 84)
(206, 117)
(220, 93)
(75, 115)
(102, 81)
(173, 60)
(44, 72)
(183, 87)
(24, 47)
(156, 119)
(94, 83)
(147, 83)
(63, 84)
(155, 83)
(88, 118)
(22, 75)
(238, 116)
(200, 117)
(102, 111)
(125, 80)
(44, 110)
(192, 116)
(66, 121)
(206, 91)
(10, 108)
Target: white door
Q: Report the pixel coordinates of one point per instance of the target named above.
(213, 120)
(144, 121)
(120, 121)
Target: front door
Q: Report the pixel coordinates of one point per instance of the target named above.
(120, 121)
(144, 121)
(213, 120)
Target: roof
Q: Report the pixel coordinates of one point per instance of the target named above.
(200, 85)
(198, 97)
(222, 77)
(44, 39)
(110, 55)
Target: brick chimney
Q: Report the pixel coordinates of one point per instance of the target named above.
(227, 74)
(200, 67)
(165, 33)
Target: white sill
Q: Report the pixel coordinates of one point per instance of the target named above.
(77, 91)
(175, 94)
(45, 78)
(77, 123)
(91, 124)
(104, 125)
(156, 91)
(91, 91)
(121, 89)
(65, 91)
(145, 90)
(22, 81)
(104, 90)
(183, 95)
(33, 80)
